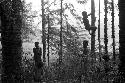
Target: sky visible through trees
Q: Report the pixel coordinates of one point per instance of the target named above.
(80, 7)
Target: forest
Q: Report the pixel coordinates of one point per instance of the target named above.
(82, 41)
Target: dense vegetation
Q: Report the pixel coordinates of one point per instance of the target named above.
(74, 62)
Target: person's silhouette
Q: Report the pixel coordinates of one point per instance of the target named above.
(38, 61)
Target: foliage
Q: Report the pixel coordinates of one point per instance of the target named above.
(70, 68)
(72, 48)
(28, 20)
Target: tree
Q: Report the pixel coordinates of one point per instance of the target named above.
(43, 31)
(113, 30)
(93, 20)
(11, 40)
(121, 5)
(105, 28)
(48, 38)
(99, 31)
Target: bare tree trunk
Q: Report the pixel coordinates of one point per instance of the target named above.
(11, 41)
(99, 33)
(105, 28)
(122, 37)
(113, 30)
(61, 46)
(48, 38)
(106, 40)
(60, 53)
(43, 32)
(93, 19)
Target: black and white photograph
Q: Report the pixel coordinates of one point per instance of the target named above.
(62, 41)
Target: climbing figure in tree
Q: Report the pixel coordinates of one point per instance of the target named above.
(37, 50)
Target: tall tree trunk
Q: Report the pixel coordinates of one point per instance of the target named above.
(43, 32)
(93, 29)
(105, 28)
(106, 40)
(113, 30)
(93, 19)
(60, 53)
(122, 36)
(11, 41)
(48, 37)
(61, 46)
(99, 33)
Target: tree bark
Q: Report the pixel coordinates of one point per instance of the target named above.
(105, 28)
(93, 19)
(122, 37)
(48, 39)
(43, 32)
(113, 30)
(61, 35)
(11, 41)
